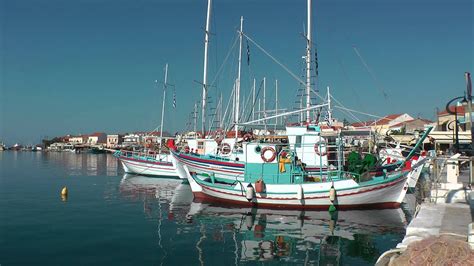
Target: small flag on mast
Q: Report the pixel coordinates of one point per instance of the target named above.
(469, 85)
(248, 53)
(174, 98)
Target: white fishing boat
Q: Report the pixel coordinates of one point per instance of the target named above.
(146, 163)
(149, 163)
(283, 183)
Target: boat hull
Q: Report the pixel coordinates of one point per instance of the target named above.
(315, 195)
(221, 170)
(150, 168)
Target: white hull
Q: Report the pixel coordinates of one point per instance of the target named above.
(349, 193)
(221, 170)
(148, 167)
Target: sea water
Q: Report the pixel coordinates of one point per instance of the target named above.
(112, 218)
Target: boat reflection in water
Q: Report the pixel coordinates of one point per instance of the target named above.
(298, 236)
(172, 192)
(224, 234)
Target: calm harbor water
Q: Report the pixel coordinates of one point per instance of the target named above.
(110, 218)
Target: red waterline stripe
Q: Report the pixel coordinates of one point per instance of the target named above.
(318, 197)
(202, 197)
(207, 168)
(143, 161)
(210, 161)
(152, 167)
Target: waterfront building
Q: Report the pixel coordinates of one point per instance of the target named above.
(411, 126)
(97, 138)
(114, 140)
(130, 140)
(445, 134)
(383, 124)
(81, 139)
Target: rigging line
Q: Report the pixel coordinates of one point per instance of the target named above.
(347, 110)
(346, 76)
(350, 114)
(350, 110)
(256, 97)
(284, 114)
(341, 65)
(226, 109)
(367, 114)
(377, 83)
(275, 60)
(224, 62)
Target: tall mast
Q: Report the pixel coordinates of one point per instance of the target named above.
(308, 65)
(329, 108)
(264, 96)
(237, 87)
(204, 79)
(276, 102)
(264, 100)
(195, 116)
(163, 106)
(253, 100)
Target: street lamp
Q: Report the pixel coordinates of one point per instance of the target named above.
(455, 113)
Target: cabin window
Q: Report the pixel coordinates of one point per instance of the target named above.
(298, 142)
(200, 145)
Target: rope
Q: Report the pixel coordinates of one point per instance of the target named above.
(274, 59)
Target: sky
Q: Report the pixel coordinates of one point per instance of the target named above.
(77, 67)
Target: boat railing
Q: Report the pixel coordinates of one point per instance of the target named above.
(299, 178)
(148, 155)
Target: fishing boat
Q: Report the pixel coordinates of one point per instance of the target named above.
(225, 158)
(281, 182)
(146, 163)
(149, 163)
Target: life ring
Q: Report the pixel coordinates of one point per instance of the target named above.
(322, 144)
(247, 137)
(225, 148)
(265, 158)
(186, 149)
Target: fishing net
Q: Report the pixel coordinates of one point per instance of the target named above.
(439, 250)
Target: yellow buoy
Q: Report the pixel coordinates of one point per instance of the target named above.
(64, 191)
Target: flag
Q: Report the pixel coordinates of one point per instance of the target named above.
(326, 118)
(174, 99)
(316, 60)
(469, 86)
(248, 53)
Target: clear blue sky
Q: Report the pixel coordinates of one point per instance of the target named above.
(89, 65)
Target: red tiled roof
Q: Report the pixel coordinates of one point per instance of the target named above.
(362, 124)
(387, 119)
(382, 121)
(452, 108)
(426, 121)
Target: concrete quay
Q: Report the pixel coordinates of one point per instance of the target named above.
(446, 215)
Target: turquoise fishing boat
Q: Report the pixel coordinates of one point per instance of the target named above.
(282, 182)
